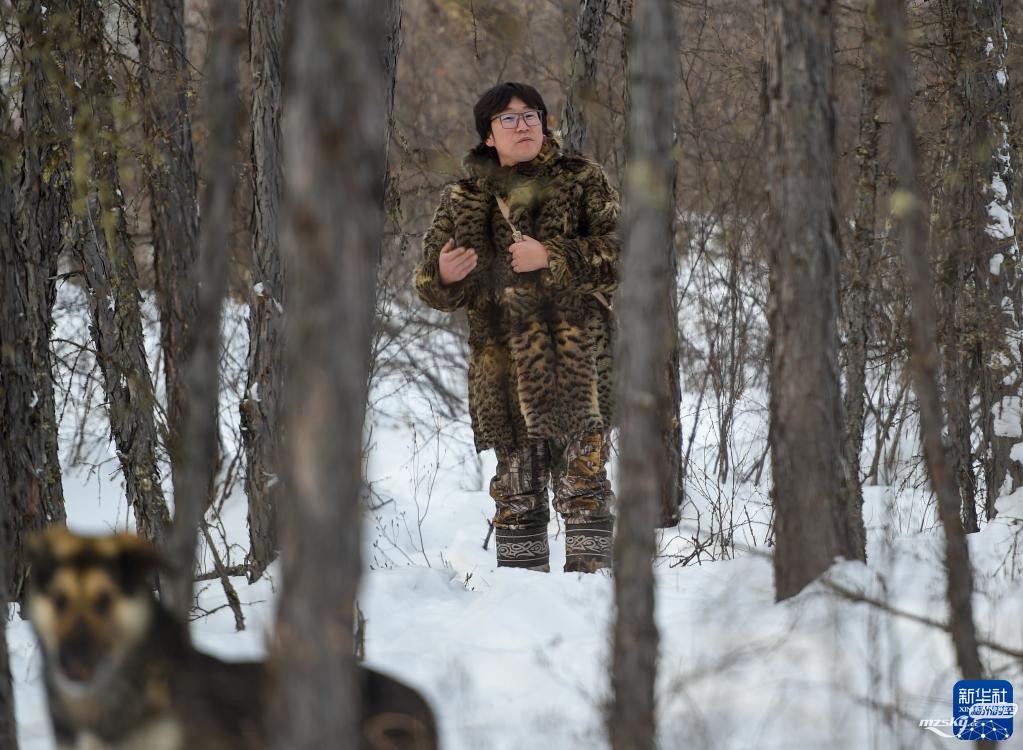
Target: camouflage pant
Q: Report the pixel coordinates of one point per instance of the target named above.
(575, 466)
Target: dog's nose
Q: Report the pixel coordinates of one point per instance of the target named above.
(76, 669)
(79, 654)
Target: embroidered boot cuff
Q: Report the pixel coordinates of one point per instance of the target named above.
(523, 548)
(588, 546)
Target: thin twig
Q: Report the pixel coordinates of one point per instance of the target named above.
(225, 581)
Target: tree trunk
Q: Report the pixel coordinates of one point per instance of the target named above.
(643, 350)
(671, 494)
(813, 524)
(334, 152)
(29, 499)
(910, 208)
(8, 725)
(958, 326)
(961, 373)
(979, 209)
(392, 45)
(860, 266)
(581, 97)
(171, 178)
(981, 283)
(260, 409)
(221, 167)
(104, 250)
(42, 211)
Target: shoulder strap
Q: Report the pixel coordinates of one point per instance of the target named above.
(603, 300)
(516, 234)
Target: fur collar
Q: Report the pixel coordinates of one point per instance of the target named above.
(483, 167)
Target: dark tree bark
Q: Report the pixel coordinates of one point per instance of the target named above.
(956, 273)
(334, 152)
(1002, 475)
(860, 266)
(8, 725)
(813, 520)
(391, 47)
(910, 208)
(42, 214)
(260, 410)
(28, 469)
(103, 248)
(960, 370)
(673, 493)
(220, 170)
(981, 278)
(643, 350)
(581, 97)
(171, 178)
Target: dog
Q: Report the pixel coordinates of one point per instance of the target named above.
(121, 673)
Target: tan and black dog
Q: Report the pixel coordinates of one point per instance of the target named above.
(121, 674)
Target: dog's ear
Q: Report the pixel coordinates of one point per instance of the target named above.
(41, 559)
(137, 562)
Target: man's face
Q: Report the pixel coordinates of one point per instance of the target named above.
(519, 143)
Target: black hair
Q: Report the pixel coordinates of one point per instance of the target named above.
(496, 100)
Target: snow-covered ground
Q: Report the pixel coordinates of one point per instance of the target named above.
(516, 659)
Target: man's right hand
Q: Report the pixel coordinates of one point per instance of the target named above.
(455, 262)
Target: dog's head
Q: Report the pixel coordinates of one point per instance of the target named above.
(90, 600)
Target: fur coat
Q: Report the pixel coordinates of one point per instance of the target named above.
(539, 342)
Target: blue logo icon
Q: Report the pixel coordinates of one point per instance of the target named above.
(982, 710)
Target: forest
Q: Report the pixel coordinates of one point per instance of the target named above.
(228, 328)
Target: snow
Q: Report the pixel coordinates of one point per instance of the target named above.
(1001, 222)
(1008, 414)
(513, 659)
(1000, 226)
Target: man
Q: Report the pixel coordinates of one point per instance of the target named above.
(527, 244)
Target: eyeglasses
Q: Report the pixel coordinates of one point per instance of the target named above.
(510, 120)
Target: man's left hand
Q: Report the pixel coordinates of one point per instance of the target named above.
(528, 255)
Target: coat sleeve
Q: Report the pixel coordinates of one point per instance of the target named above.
(446, 297)
(590, 262)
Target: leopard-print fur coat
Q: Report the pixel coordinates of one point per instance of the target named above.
(539, 342)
